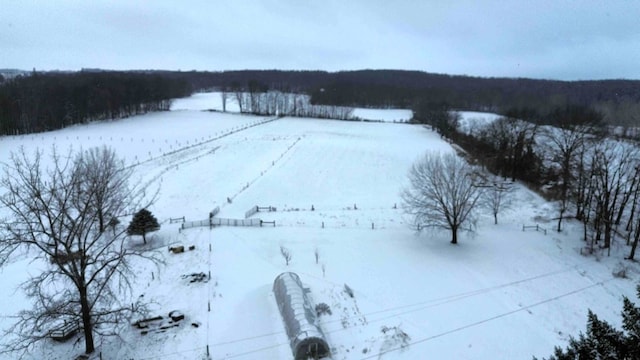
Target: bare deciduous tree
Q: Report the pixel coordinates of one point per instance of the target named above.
(104, 182)
(441, 193)
(55, 215)
(613, 167)
(497, 197)
(513, 140)
(573, 128)
(286, 254)
(224, 96)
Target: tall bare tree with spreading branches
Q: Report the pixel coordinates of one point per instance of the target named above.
(57, 211)
(442, 193)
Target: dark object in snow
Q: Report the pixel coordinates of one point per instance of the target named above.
(348, 290)
(176, 315)
(305, 336)
(64, 332)
(196, 277)
(144, 323)
(195, 324)
(158, 324)
(192, 247)
(176, 249)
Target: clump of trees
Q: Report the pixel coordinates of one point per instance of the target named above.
(59, 210)
(592, 177)
(48, 101)
(603, 341)
(258, 99)
(442, 194)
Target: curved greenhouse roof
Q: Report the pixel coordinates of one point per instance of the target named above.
(299, 317)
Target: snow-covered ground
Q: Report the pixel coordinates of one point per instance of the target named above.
(471, 121)
(501, 293)
(386, 115)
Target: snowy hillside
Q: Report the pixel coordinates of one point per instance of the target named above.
(500, 293)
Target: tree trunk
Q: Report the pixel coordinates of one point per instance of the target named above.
(86, 321)
(635, 241)
(495, 218)
(144, 237)
(608, 229)
(101, 224)
(559, 229)
(454, 235)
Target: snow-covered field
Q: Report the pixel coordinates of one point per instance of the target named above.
(471, 121)
(501, 293)
(386, 115)
(213, 101)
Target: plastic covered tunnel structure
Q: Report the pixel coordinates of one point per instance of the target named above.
(305, 337)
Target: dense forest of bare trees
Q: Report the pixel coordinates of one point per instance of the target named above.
(47, 101)
(592, 177)
(617, 100)
(53, 100)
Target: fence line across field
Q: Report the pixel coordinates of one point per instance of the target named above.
(221, 222)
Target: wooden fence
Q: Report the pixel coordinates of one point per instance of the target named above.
(534, 227)
(256, 209)
(221, 222)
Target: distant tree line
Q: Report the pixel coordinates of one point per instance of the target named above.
(617, 100)
(48, 101)
(105, 94)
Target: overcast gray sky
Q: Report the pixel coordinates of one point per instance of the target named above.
(562, 39)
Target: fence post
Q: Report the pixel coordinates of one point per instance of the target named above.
(522, 227)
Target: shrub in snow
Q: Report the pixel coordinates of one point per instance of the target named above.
(348, 290)
(322, 309)
(286, 254)
(620, 271)
(394, 337)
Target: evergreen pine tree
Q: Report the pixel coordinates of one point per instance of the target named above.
(603, 341)
(143, 222)
(631, 324)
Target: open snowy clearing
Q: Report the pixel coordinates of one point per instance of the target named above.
(213, 101)
(501, 293)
